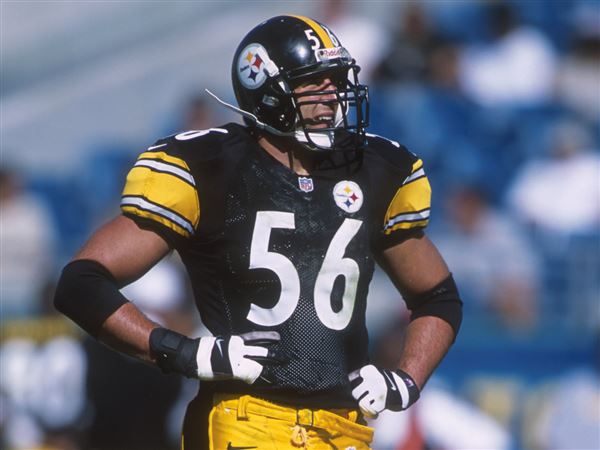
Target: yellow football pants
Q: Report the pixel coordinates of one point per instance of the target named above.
(245, 422)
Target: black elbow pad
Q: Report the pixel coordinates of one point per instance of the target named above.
(442, 301)
(88, 294)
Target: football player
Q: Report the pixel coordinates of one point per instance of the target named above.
(279, 223)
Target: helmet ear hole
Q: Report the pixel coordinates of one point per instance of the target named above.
(269, 100)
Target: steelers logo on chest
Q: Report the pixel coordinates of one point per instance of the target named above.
(348, 196)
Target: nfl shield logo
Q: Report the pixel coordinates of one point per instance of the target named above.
(306, 184)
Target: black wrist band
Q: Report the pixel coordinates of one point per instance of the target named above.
(413, 390)
(174, 352)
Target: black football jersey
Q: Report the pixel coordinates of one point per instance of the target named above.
(267, 249)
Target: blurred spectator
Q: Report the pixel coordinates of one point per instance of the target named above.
(517, 67)
(456, 119)
(366, 40)
(413, 41)
(560, 192)
(494, 264)
(463, 21)
(462, 138)
(443, 66)
(450, 140)
(42, 384)
(198, 113)
(569, 416)
(105, 167)
(27, 238)
(579, 74)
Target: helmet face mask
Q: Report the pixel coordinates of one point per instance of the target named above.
(347, 100)
(275, 63)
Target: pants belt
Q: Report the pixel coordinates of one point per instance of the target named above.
(343, 420)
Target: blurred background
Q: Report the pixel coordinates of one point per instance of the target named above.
(501, 99)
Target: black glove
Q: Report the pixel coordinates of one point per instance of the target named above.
(210, 358)
(379, 389)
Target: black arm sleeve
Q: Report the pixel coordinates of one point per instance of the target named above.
(88, 294)
(442, 301)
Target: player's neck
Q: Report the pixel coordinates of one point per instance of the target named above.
(292, 156)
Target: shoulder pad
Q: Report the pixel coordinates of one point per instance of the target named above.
(403, 185)
(199, 143)
(391, 151)
(202, 145)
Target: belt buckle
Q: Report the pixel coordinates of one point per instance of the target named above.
(305, 417)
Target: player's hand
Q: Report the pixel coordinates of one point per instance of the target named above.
(379, 389)
(236, 357)
(240, 357)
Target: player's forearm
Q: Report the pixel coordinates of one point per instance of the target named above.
(128, 331)
(427, 340)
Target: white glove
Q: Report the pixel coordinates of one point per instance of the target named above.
(235, 357)
(379, 389)
(240, 357)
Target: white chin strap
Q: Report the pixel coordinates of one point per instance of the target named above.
(321, 138)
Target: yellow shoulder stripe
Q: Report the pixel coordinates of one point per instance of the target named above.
(406, 226)
(156, 218)
(323, 35)
(162, 156)
(417, 165)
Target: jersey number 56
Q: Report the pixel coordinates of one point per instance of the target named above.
(334, 265)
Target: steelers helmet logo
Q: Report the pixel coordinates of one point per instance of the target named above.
(252, 66)
(348, 196)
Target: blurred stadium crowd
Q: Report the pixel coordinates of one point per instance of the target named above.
(502, 102)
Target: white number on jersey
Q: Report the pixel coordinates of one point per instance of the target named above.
(262, 258)
(334, 265)
(187, 135)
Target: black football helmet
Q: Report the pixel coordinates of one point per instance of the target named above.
(287, 51)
